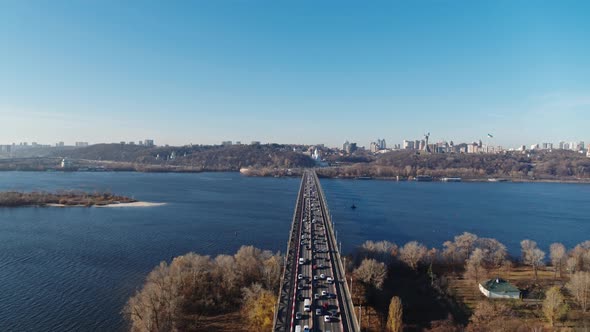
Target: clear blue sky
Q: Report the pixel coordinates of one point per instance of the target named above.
(294, 72)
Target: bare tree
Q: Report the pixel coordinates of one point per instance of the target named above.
(371, 272)
(531, 255)
(460, 249)
(557, 255)
(489, 316)
(579, 286)
(412, 253)
(394, 319)
(571, 265)
(494, 252)
(474, 265)
(383, 251)
(554, 306)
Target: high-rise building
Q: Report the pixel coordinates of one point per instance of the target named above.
(81, 144)
(374, 147)
(408, 145)
(149, 142)
(226, 143)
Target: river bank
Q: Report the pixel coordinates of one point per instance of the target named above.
(64, 199)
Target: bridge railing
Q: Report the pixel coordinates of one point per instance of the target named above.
(284, 297)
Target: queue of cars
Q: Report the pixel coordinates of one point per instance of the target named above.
(319, 303)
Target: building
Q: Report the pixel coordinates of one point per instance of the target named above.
(81, 144)
(499, 289)
(226, 143)
(381, 144)
(408, 145)
(374, 147)
(547, 146)
(60, 144)
(255, 143)
(66, 163)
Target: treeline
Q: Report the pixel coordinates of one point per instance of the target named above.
(538, 165)
(180, 296)
(195, 158)
(475, 259)
(14, 198)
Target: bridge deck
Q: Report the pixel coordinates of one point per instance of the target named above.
(313, 290)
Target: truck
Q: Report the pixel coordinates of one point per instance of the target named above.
(307, 305)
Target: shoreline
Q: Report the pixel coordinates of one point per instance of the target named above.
(113, 205)
(296, 175)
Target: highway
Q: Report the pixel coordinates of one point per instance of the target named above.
(314, 295)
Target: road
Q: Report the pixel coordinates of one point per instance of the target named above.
(314, 293)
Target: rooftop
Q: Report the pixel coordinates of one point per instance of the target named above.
(498, 285)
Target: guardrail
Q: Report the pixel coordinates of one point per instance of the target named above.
(351, 319)
(284, 297)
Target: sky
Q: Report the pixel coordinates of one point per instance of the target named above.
(306, 72)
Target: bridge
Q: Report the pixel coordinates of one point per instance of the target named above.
(313, 293)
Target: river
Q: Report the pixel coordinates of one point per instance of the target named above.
(72, 269)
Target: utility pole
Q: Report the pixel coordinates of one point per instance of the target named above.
(360, 315)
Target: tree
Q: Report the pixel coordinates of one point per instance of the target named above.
(394, 319)
(371, 272)
(489, 316)
(474, 265)
(459, 250)
(494, 252)
(531, 255)
(259, 307)
(579, 286)
(557, 255)
(412, 253)
(571, 265)
(554, 306)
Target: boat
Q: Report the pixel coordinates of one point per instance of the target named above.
(497, 180)
(451, 179)
(423, 178)
(353, 206)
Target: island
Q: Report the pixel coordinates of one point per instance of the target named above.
(63, 199)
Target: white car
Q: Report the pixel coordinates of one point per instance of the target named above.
(315, 277)
(324, 293)
(322, 276)
(327, 318)
(300, 276)
(330, 280)
(306, 328)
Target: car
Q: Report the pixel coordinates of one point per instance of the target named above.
(333, 312)
(316, 296)
(318, 312)
(306, 328)
(329, 280)
(300, 276)
(299, 287)
(327, 318)
(315, 277)
(324, 293)
(298, 316)
(322, 276)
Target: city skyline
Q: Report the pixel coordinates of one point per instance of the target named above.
(302, 73)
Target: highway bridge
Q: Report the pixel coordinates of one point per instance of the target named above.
(314, 295)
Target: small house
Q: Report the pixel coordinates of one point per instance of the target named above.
(499, 289)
